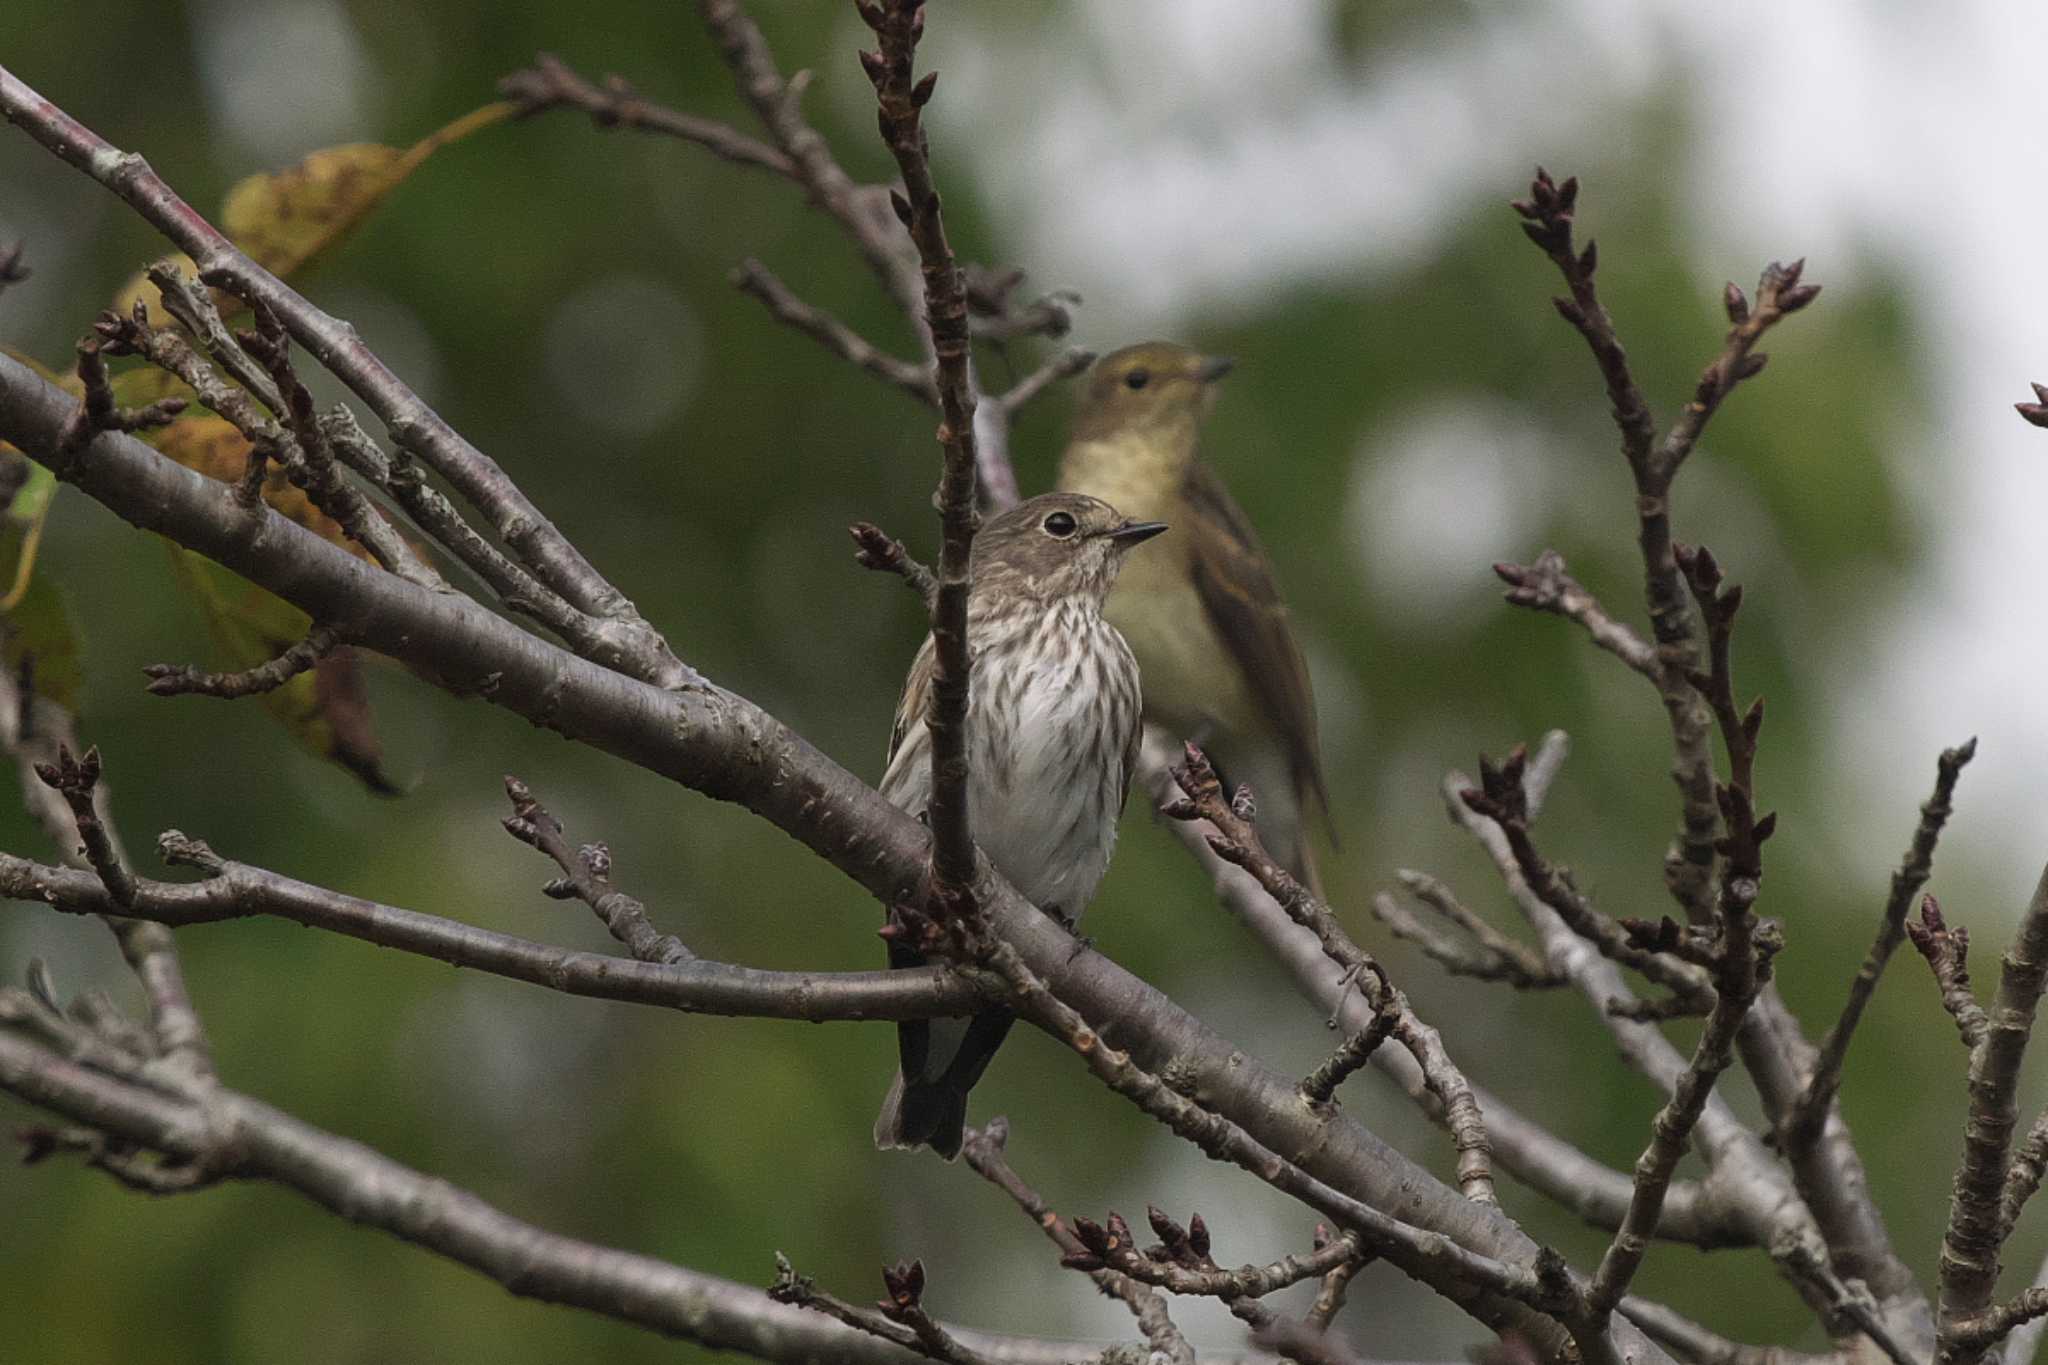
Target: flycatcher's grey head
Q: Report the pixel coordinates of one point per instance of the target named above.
(1055, 545)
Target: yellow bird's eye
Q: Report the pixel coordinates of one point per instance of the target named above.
(1060, 525)
(1138, 378)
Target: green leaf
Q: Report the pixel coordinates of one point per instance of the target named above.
(287, 219)
(327, 710)
(38, 636)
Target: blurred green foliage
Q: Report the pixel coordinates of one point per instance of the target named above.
(717, 1142)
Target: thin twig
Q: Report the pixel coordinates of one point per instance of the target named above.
(2023, 1177)
(1320, 1085)
(1539, 1158)
(1698, 1345)
(1336, 1285)
(1546, 1285)
(1501, 800)
(876, 549)
(1063, 365)
(1749, 1197)
(1548, 218)
(755, 280)
(549, 84)
(1493, 956)
(984, 1151)
(1183, 1264)
(36, 731)
(404, 481)
(232, 890)
(98, 412)
(2025, 1342)
(898, 1320)
(1802, 1125)
(1546, 586)
(1947, 950)
(76, 779)
(900, 97)
(176, 680)
(319, 475)
(1986, 1329)
(1237, 841)
(586, 875)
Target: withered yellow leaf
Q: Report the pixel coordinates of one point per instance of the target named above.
(284, 219)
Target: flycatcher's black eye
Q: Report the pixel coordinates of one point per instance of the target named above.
(1138, 378)
(1060, 524)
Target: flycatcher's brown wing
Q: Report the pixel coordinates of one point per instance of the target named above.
(909, 710)
(1235, 581)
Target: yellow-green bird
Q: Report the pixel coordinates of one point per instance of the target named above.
(1216, 653)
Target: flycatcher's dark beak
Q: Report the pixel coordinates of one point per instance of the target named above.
(1131, 532)
(1214, 367)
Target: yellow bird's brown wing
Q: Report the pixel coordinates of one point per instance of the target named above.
(1235, 581)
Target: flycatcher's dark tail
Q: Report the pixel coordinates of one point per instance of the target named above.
(927, 1102)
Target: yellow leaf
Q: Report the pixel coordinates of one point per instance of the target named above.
(284, 219)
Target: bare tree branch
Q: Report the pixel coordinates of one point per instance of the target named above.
(1548, 216)
(1236, 841)
(1801, 1126)
(1947, 951)
(99, 412)
(901, 1320)
(1546, 586)
(1977, 1227)
(234, 890)
(35, 732)
(177, 680)
(984, 1153)
(229, 1135)
(1748, 1193)
(549, 84)
(2023, 1177)
(632, 645)
(707, 737)
(1693, 1343)
(1492, 956)
(587, 875)
(876, 549)
(752, 278)
(901, 96)
(1539, 1158)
